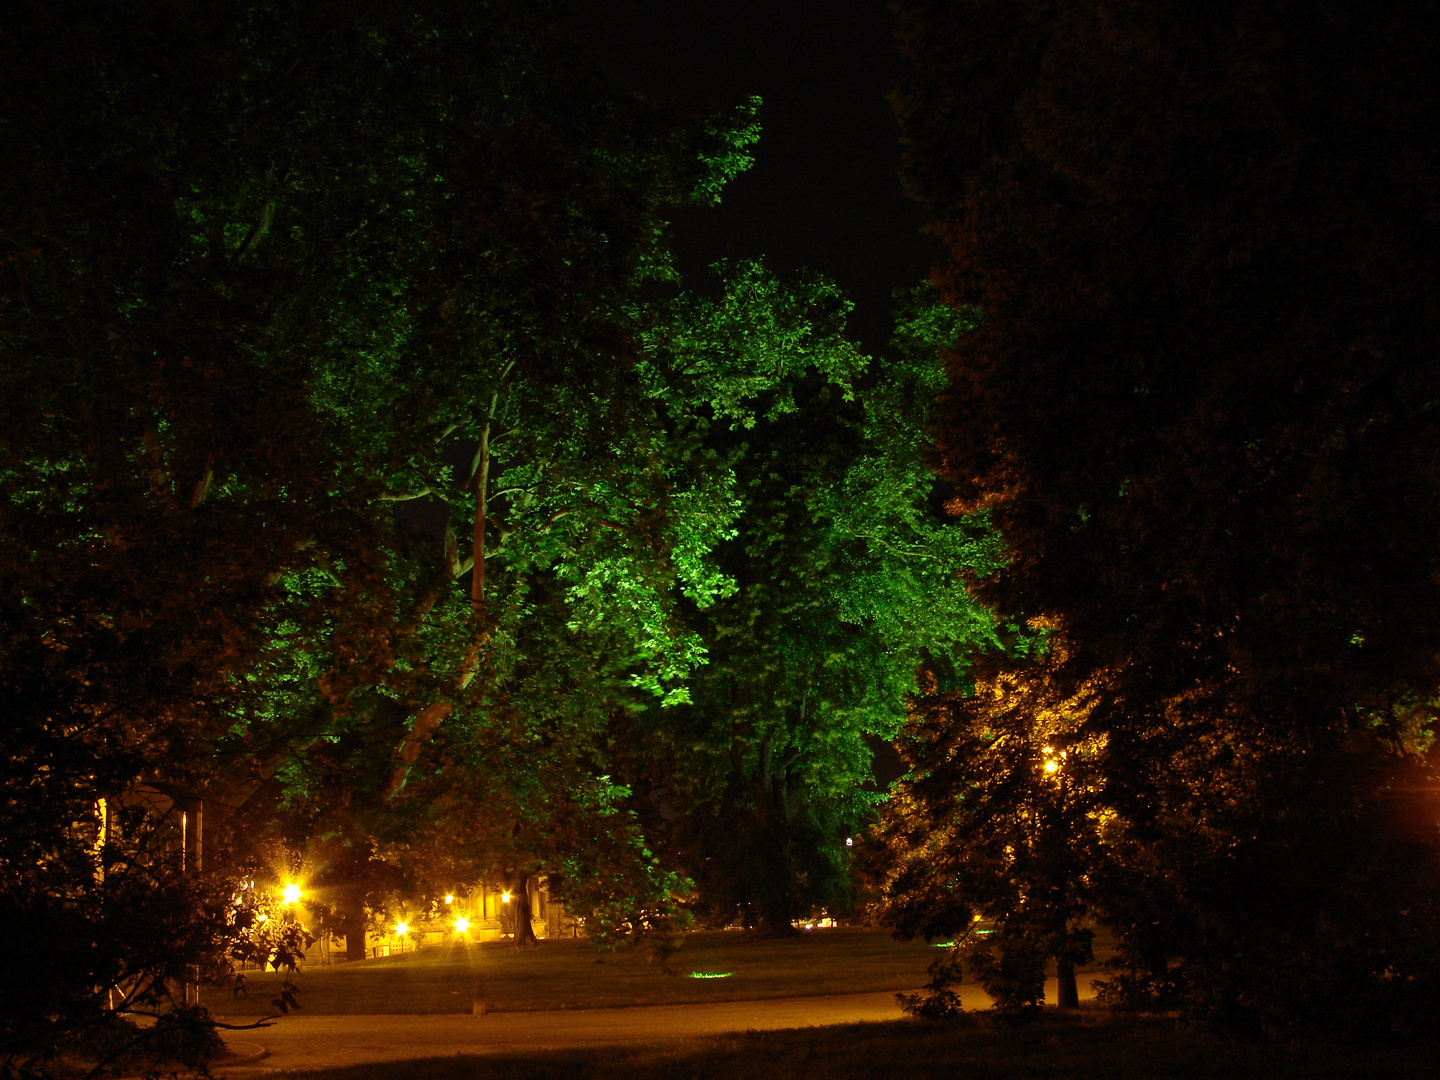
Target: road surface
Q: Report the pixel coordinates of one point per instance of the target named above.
(315, 1042)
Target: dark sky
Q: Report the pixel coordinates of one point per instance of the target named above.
(823, 192)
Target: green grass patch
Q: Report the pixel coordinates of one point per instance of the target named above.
(1089, 1045)
(567, 974)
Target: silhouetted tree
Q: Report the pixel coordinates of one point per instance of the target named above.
(1201, 406)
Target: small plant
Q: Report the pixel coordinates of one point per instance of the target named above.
(938, 999)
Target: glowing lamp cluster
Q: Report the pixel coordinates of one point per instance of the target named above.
(290, 894)
(462, 924)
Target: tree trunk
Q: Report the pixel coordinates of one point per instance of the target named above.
(520, 900)
(353, 925)
(777, 917)
(424, 725)
(773, 892)
(1066, 993)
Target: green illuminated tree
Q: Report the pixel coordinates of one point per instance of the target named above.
(270, 269)
(846, 583)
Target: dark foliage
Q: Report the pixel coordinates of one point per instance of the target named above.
(1202, 407)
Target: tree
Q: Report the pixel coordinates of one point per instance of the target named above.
(1200, 408)
(846, 581)
(266, 265)
(1000, 819)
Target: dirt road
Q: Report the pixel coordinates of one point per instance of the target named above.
(314, 1042)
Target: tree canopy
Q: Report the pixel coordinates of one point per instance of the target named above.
(1201, 410)
(272, 270)
(846, 578)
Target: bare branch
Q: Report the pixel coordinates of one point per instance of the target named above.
(405, 496)
(257, 231)
(201, 489)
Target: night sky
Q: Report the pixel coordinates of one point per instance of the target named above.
(823, 193)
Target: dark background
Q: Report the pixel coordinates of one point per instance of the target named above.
(824, 191)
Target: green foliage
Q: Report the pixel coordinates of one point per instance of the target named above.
(722, 151)
(749, 348)
(845, 583)
(271, 269)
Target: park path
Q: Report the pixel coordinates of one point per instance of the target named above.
(316, 1042)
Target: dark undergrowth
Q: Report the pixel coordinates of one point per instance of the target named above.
(1090, 1044)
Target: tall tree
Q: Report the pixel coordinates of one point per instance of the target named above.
(847, 580)
(1201, 409)
(269, 268)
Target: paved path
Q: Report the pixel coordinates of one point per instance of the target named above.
(314, 1042)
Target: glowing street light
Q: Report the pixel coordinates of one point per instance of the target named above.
(1053, 761)
(402, 928)
(449, 898)
(505, 898)
(290, 894)
(462, 924)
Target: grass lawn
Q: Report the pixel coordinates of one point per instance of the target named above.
(567, 974)
(1090, 1044)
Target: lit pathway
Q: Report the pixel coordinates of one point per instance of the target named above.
(314, 1042)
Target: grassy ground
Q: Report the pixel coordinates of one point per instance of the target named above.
(1089, 1045)
(572, 975)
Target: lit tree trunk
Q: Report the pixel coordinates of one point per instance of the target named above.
(430, 718)
(520, 897)
(1067, 994)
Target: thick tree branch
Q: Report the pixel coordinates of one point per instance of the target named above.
(407, 751)
(257, 231)
(405, 496)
